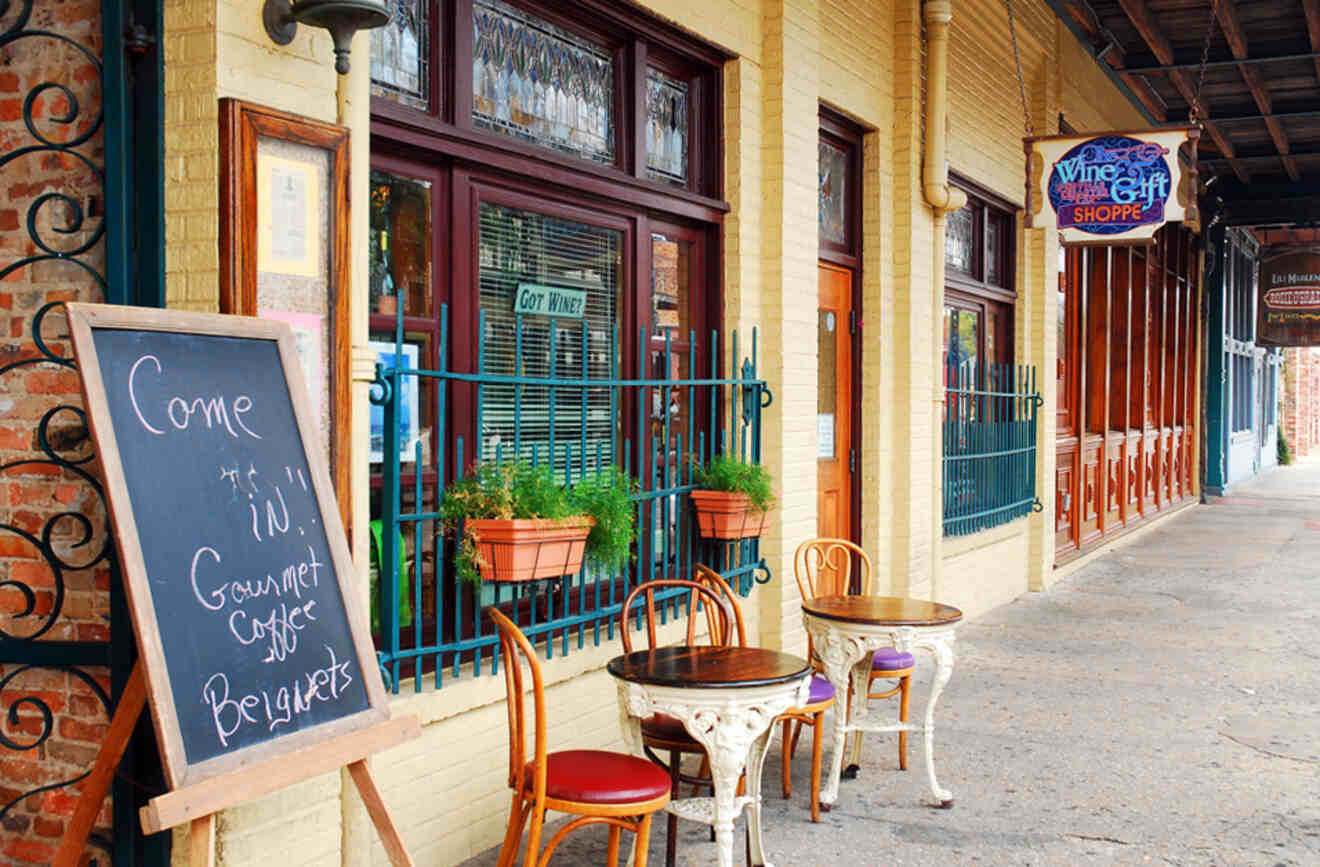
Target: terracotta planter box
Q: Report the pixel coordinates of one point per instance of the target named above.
(727, 515)
(528, 549)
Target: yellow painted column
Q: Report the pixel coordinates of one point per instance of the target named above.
(790, 87)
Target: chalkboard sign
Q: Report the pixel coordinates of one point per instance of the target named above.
(238, 572)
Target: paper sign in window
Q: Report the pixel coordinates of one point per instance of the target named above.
(825, 435)
(288, 201)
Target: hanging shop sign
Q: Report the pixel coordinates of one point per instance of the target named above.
(1113, 188)
(1288, 303)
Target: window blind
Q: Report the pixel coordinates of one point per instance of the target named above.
(568, 425)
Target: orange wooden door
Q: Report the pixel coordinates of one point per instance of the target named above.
(834, 458)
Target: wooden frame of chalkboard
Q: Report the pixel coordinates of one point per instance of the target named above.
(253, 762)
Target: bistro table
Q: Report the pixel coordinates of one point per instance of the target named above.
(845, 632)
(727, 698)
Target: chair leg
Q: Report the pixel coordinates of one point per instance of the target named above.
(786, 782)
(903, 685)
(612, 852)
(817, 736)
(643, 841)
(702, 772)
(517, 818)
(671, 825)
(534, 834)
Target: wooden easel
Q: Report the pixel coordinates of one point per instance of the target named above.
(206, 783)
(198, 804)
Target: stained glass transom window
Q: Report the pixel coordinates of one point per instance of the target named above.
(400, 67)
(832, 190)
(958, 240)
(666, 128)
(537, 83)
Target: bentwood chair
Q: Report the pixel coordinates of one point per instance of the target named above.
(662, 733)
(600, 787)
(812, 713)
(824, 567)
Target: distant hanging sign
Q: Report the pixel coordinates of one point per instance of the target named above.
(1288, 309)
(1114, 188)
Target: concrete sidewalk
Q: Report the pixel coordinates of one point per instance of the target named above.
(1160, 705)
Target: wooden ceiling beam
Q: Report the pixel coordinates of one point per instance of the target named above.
(1231, 23)
(1142, 19)
(1312, 10)
(1106, 46)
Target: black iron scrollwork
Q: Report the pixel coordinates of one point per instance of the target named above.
(64, 225)
(62, 442)
(64, 112)
(15, 717)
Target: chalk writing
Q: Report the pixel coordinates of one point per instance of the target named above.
(278, 706)
(253, 625)
(215, 410)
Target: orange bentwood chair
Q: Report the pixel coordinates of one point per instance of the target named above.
(824, 567)
(600, 787)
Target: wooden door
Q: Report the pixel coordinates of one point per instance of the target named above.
(834, 399)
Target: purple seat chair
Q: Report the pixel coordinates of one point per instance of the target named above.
(825, 567)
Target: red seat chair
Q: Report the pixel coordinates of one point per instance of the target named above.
(600, 787)
(824, 567)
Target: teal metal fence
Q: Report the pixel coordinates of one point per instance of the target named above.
(560, 397)
(989, 446)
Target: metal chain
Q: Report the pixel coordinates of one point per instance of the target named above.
(1194, 111)
(1022, 83)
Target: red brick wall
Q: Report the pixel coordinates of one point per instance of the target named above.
(31, 496)
(1300, 414)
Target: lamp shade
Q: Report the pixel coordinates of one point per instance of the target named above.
(342, 18)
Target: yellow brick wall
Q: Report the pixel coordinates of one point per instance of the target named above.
(192, 222)
(985, 570)
(864, 59)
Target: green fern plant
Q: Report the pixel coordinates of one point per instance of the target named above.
(516, 489)
(724, 473)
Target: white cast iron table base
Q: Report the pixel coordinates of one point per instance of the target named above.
(734, 725)
(845, 650)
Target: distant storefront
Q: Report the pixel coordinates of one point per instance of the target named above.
(1128, 395)
(1242, 376)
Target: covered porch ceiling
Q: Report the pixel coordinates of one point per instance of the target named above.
(1260, 102)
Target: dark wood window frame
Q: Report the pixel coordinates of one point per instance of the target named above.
(467, 165)
(846, 135)
(972, 289)
(636, 40)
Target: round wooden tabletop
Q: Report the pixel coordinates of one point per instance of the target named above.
(882, 610)
(708, 667)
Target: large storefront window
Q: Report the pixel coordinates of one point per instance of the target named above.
(545, 200)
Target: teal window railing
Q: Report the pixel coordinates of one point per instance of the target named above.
(562, 399)
(989, 473)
